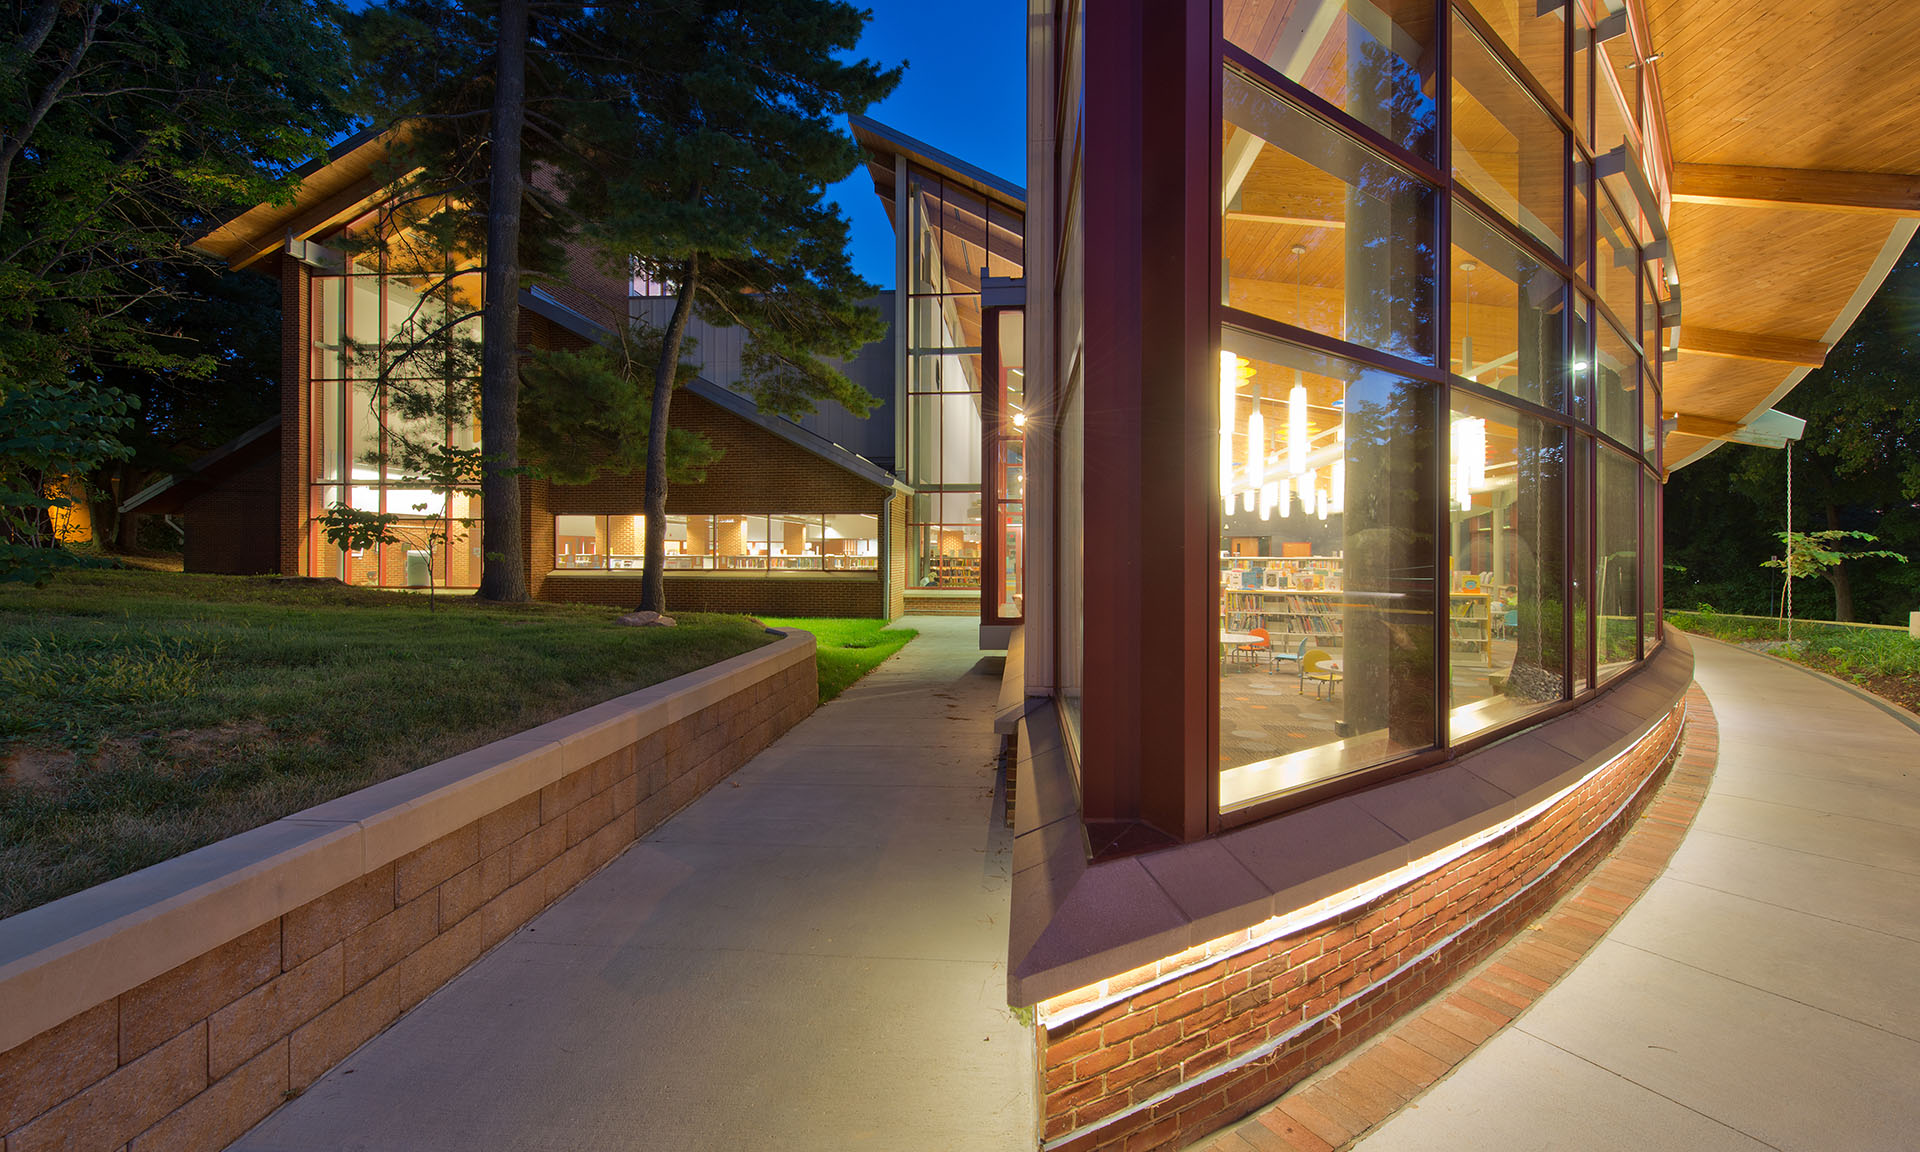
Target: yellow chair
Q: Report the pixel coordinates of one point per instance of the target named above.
(1313, 666)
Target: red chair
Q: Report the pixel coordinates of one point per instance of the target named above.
(1263, 644)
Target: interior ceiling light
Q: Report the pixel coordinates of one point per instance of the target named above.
(1229, 381)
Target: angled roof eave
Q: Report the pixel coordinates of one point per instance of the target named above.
(881, 140)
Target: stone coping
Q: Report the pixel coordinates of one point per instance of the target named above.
(1076, 923)
(62, 958)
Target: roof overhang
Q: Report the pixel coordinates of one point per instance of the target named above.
(1795, 187)
(329, 193)
(881, 146)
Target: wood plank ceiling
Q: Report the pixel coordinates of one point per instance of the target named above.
(1796, 184)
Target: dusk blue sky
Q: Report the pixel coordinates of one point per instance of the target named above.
(964, 92)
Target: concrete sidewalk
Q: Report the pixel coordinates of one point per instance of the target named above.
(811, 956)
(1765, 992)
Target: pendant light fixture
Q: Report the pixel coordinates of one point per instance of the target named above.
(1466, 319)
(1229, 383)
(1297, 399)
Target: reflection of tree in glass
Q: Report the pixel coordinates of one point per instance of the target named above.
(1390, 95)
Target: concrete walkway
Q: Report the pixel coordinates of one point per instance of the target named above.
(811, 956)
(1765, 992)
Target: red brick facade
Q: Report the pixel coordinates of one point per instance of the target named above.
(1201, 1042)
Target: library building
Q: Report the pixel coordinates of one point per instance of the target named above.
(1356, 357)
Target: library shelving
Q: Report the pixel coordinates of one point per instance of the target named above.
(1470, 623)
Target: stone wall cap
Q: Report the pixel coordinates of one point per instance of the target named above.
(64, 957)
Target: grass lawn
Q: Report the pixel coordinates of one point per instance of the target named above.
(144, 714)
(849, 649)
(1884, 661)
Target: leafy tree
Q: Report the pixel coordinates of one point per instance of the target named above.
(712, 174)
(1856, 470)
(126, 127)
(49, 434)
(230, 323)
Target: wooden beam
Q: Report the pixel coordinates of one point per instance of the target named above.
(1752, 346)
(335, 210)
(1896, 194)
(1291, 221)
(1707, 427)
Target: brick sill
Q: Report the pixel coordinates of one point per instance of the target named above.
(1076, 923)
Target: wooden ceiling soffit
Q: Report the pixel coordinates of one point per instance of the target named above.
(1753, 346)
(330, 213)
(1883, 193)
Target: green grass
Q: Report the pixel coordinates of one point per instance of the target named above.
(1884, 660)
(849, 649)
(144, 714)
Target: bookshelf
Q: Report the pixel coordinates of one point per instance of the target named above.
(1470, 623)
(1294, 598)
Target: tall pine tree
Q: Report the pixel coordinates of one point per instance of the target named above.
(711, 136)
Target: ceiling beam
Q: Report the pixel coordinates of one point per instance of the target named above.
(1708, 427)
(1871, 192)
(1290, 221)
(1752, 346)
(331, 212)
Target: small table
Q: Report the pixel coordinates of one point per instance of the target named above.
(1236, 640)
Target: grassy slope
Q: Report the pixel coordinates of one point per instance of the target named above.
(849, 649)
(1883, 661)
(151, 713)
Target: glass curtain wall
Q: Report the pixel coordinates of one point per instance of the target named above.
(953, 236)
(393, 339)
(1438, 414)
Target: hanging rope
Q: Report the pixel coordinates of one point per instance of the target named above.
(1789, 596)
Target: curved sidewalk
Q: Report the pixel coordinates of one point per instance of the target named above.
(1765, 991)
(810, 956)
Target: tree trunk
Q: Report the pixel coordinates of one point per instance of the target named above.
(653, 584)
(126, 525)
(503, 573)
(1837, 576)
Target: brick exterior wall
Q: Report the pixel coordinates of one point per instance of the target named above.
(758, 472)
(189, 1060)
(897, 512)
(234, 527)
(926, 604)
(853, 596)
(1155, 1068)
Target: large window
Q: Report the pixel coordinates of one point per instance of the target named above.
(393, 340)
(1330, 476)
(1438, 512)
(953, 235)
(1321, 232)
(794, 543)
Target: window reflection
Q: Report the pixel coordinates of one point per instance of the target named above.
(1616, 384)
(1327, 568)
(1365, 57)
(1321, 232)
(1505, 622)
(1536, 33)
(1508, 324)
(1616, 564)
(1506, 148)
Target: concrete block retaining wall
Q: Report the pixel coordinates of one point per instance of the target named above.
(175, 1008)
(1165, 1054)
